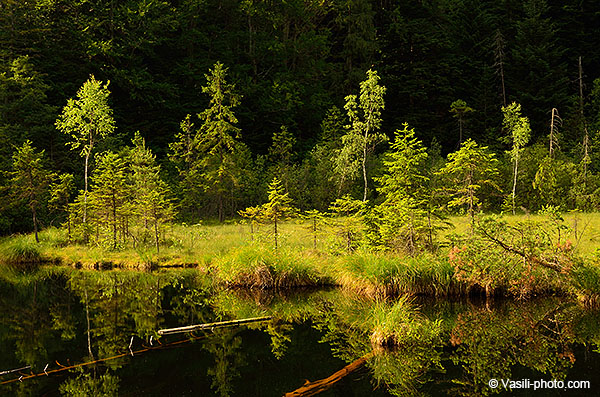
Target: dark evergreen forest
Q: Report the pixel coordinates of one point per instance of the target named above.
(448, 66)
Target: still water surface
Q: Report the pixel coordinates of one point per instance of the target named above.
(95, 333)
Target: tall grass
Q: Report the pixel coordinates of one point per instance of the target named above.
(586, 280)
(20, 253)
(377, 274)
(256, 266)
(400, 323)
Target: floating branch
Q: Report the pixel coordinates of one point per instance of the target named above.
(14, 370)
(191, 328)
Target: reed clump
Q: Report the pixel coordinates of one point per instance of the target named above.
(376, 274)
(21, 253)
(400, 324)
(259, 267)
(586, 281)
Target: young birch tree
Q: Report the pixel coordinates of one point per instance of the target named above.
(86, 119)
(363, 134)
(518, 127)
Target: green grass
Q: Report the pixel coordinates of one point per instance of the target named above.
(256, 266)
(20, 252)
(377, 274)
(234, 257)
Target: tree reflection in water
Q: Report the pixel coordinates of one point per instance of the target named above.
(438, 346)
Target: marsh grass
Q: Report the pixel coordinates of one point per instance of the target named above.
(20, 253)
(400, 324)
(234, 257)
(586, 281)
(256, 266)
(377, 274)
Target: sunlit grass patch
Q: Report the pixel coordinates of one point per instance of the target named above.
(377, 274)
(20, 252)
(256, 266)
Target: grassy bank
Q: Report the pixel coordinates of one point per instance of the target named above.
(233, 256)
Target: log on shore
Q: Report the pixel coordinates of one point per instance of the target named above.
(198, 327)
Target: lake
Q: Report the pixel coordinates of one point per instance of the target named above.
(73, 332)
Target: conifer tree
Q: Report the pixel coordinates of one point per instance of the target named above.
(278, 207)
(29, 179)
(60, 195)
(150, 193)
(467, 170)
(401, 216)
(349, 219)
(109, 197)
(208, 153)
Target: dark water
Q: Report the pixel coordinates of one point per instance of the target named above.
(313, 335)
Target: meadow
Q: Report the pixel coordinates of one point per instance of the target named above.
(235, 255)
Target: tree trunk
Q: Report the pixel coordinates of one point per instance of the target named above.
(514, 189)
(35, 224)
(85, 191)
(156, 240)
(364, 167)
(275, 223)
(114, 213)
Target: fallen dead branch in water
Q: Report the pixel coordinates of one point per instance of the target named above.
(319, 386)
(198, 327)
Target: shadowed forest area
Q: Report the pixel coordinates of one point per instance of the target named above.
(126, 126)
(448, 68)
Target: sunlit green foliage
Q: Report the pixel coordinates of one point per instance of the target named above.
(467, 170)
(86, 120)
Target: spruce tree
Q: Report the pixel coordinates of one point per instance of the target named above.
(29, 180)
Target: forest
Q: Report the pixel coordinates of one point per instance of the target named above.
(196, 109)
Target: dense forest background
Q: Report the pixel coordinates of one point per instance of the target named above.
(292, 63)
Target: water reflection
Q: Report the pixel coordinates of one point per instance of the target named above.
(315, 337)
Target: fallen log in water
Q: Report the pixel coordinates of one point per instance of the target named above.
(191, 328)
(319, 386)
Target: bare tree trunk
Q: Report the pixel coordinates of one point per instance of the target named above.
(35, 224)
(275, 223)
(554, 114)
(364, 167)
(514, 189)
(586, 139)
(85, 191)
